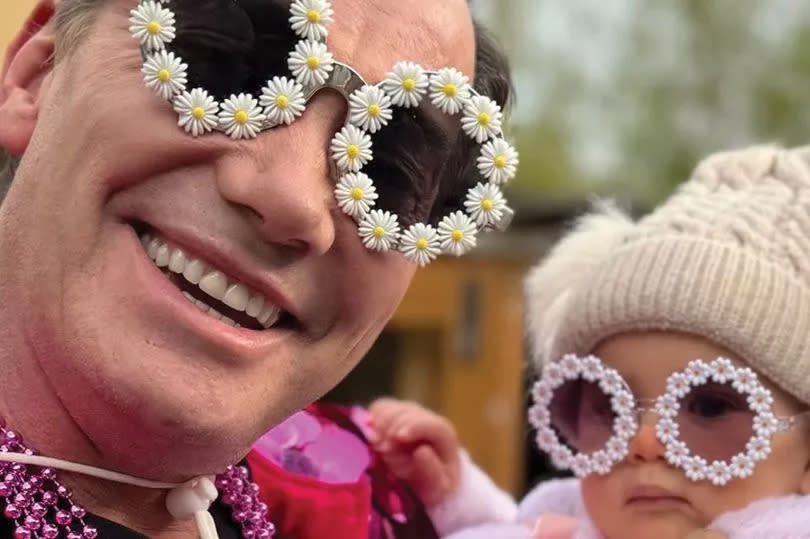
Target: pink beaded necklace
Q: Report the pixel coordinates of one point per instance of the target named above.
(40, 506)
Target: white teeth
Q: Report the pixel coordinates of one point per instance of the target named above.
(153, 247)
(269, 316)
(162, 258)
(255, 305)
(216, 284)
(177, 262)
(194, 271)
(236, 297)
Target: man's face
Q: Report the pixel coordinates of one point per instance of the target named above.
(127, 354)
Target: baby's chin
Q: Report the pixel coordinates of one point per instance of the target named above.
(648, 525)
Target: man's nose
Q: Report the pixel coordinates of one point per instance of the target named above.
(285, 180)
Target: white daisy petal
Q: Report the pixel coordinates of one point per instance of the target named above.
(758, 448)
(746, 380)
(723, 370)
(351, 148)
(485, 204)
(542, 392)
(283, 100)
(546, 439)
(718, 473)
(165, 73)
(482, 119)
(198, 112)
(676, 453)
(601, 462)
(581, 465)
(697, 372)
(370, 108)
(561, 457)
(592, 369)
(667, 405)
(539, 416)
(310, 62)
(611, 382)
(617, 448)
(498, 161)
(695, 468)
(379, 230)
(742, 466)
(666, 430)
(407, 84)
(241, 117)
(571, 366)
(420, 244)
(310, 18)
(457, 234)
(552, 374)
(760, 400)
(449, 90)
(356, 194)
(152, 25)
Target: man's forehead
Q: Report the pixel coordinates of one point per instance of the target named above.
(372, 35)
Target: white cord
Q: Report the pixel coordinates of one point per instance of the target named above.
(47, 462)
(183, 501)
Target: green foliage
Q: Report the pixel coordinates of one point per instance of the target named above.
(649, 87)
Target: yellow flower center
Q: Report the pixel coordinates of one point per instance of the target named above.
(483, 119)
(379, 232)
(282, 102)
(313, 16)
(352, 150)
(409, 85)
(164, 75)
(198, 113)
(457, 235)
(422, 244)
(313, 63)
(500, 161)
(357, 194)
(154, 28)
(374, 110)
(241, 117)
(486, 204)
(450, 89)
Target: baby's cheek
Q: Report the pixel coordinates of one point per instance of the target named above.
(602, 498)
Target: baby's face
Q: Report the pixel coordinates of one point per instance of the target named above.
(644, 496)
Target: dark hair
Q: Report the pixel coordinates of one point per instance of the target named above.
(493, 78)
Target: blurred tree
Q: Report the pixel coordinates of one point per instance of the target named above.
(625, 96)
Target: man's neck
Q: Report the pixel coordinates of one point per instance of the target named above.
(29, 405)
(141, 510)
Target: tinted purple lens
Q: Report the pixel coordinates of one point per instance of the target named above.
(582, 416)
(715, 421)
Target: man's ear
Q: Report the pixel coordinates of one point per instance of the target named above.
(28, 61)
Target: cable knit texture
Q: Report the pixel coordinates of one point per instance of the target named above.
(726, 257)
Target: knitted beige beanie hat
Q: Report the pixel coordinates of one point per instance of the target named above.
(727, 257)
